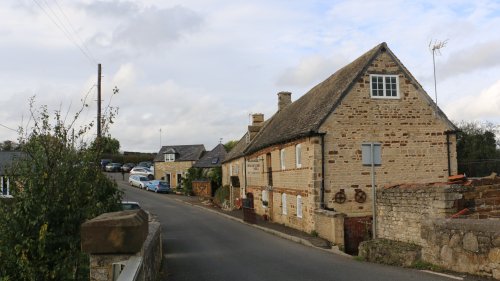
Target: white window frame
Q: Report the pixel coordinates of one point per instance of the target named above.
(6, 181)
(284, 210)
(282, 159)
(265, 198)
(298, 156)
(384, 86)
(299, 206)
(178, 179)
(169, 157)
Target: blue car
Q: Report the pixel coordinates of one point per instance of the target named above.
(158, 186)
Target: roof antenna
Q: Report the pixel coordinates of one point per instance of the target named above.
(220, 140)
(435, 48)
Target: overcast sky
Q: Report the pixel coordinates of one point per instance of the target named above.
(196, 69)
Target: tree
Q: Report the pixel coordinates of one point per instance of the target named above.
(56, 187)
(8, 145)
(477, 149)
(108, 144)
(230, 145)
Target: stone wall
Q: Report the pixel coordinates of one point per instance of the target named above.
(421, 214)
(401, 210)
(115, 238)
(172, 168)
(293, 181)
(412, 135)
(463, 245)
(330, 225)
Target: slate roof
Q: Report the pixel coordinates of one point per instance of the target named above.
(212, 158)
(304, 117)
(7, 158)
(182, 152)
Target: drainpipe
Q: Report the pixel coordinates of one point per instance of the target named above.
(245, 173)
(322, 188)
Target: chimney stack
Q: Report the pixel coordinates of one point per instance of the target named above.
(284, 99)
(257, 122)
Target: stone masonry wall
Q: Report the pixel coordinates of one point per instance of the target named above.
(292, 181)
(235, 167)
(401, 211)
(463, 245)
(174, 168)
(412, 135)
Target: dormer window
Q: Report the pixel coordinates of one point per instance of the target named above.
(384, 86)
(169, 157)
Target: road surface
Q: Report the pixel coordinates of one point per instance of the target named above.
(201, 245)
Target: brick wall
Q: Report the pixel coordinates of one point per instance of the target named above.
(412, 136)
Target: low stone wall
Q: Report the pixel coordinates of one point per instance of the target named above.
(330, 225)
(401, 210)
(123, 238)
(463, 245)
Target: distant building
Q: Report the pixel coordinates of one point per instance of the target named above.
(7, 158)
(173, 161)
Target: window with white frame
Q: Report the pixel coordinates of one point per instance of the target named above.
(265, 198)
(384, 86)
(298, 155)
(283, 204)
(4, 186)
(169, 157)
(299, 206)
(282, 158)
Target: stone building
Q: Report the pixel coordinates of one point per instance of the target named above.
(305, 163)
(173, 161)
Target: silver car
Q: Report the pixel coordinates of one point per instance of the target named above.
(138, 181)
(142, 171)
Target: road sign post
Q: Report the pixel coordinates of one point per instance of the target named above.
(371, 156)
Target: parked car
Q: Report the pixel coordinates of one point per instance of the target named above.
(146, 164)
(127, 167)
(142, 171)
(130, 205)
(138, 181)
(113, 167)
(105, 162)
(158, 186)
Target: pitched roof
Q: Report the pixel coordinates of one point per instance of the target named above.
(304, 117)
(212, 158)
(182, 152)
(238, 149)
(7, 158)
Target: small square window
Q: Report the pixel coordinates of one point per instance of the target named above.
(384, 86)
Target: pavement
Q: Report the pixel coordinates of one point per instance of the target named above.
(264, 225)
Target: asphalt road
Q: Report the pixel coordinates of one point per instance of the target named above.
(201, 245)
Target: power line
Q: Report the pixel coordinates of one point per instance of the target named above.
(1, 125)
(74, 30)
(63, 29)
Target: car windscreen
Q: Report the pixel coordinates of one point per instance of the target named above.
(143, 179)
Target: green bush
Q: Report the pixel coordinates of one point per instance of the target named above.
(221, 194)
(56, 187)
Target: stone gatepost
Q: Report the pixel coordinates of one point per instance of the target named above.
(112, 238)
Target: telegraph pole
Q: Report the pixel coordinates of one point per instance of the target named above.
(98, 102)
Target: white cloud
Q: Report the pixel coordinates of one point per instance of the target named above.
(484, 106)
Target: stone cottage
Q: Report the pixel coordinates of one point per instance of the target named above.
(173, 161)
(304, 164)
